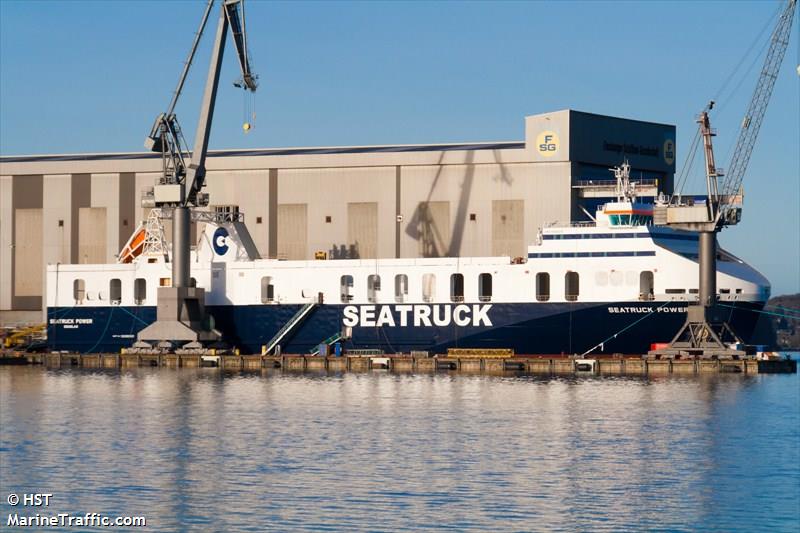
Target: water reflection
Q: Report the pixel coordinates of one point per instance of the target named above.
(203, 450)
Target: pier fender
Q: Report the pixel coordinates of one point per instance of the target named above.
(446, 365)
(379, 363)
(588, 366)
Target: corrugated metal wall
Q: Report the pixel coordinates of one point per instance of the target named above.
(92, 235)
(28, 252)
(508, 228)
(362, 229)
(292, 231)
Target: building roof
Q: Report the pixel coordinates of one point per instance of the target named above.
(506, 145)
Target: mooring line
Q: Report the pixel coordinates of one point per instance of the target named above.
(614, 336)
(789, 309)
(790, 317)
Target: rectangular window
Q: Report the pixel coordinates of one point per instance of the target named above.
(542, 287)
(485, 287)
(675, 291)
(267, 290)
(373, 287)
(400, 288)
(115, 291)
(571, 286)
(428, 287)
(457, 287)
(646, 285)
(347, 288)
(139, 291)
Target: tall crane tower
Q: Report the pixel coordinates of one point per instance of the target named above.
(706, 333)
(180, 314)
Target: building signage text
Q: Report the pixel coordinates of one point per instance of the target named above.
(631, 149)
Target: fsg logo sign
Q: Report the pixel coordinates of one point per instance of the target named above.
(669, 151)
(547, 143)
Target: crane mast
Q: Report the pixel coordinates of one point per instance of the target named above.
(180, 314)
(706, 332)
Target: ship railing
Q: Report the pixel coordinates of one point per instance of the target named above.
(214, 217)
(583, 224)
(587, 183)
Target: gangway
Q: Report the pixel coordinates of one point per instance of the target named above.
(290, 327)
(330, 340)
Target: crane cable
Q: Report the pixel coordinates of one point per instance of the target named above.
(248, 111)
(745, 76)
(688, 164)
(686, 170)
(736, 69)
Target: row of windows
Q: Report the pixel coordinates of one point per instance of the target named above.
(695, 291)
(550, 255)
(428, 288)
(577, 236)
(571, 287)
(79, 293)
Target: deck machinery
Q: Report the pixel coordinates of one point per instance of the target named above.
(181, 320)
(706, 333)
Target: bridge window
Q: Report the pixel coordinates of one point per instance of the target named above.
(267, 290)
(400, 288)
(457, 287)
(646, 288)
(139, 290)
(542, 286)
(485, 287)
(373, 287)
(571, 286)
(79, 290)
(428, 287)
(347, 288)
(115, 291)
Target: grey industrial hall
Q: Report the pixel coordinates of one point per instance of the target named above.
(459, 199)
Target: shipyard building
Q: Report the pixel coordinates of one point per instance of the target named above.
(465, 199)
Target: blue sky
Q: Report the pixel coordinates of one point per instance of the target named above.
(91, 77)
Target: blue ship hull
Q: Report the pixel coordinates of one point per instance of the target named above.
(527, 328)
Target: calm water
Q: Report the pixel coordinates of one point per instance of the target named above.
(205, 451)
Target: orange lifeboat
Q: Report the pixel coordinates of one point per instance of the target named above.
(134, 247)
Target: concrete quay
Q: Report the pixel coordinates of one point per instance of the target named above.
(535, 365)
